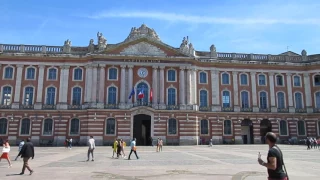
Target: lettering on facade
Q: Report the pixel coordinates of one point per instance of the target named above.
(141, 61)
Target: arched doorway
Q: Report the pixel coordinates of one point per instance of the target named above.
(247, 131)
(144, 88)
(142, 129)
(265, 127)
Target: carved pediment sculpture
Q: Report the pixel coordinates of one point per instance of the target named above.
(142, 32)
(143, 48)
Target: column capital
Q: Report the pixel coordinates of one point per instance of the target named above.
(20, 65)
(214, 71)
(123, 66)
(182, 68)
(306, 74)
(162, 67)
(64, 67)
(102, 65)
(271, 73)
(88, 66)
(253, 73)
(40, 66)
(130, 66)
(235, 73)
(155, 67)
(289, 74)
(95, 65)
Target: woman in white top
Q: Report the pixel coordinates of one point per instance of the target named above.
(92, 146)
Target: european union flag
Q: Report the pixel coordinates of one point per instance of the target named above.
(132, 93)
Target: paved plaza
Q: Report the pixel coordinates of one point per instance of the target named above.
(221, 162)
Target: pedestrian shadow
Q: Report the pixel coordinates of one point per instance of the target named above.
(13, 175)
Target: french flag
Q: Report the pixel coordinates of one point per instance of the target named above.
(141, 94)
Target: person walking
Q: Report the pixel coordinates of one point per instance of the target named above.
(118, 149)
(5, 152)
(92, 146)
(133, 148)
(70, 143)
(26, 153)
(160, 145)
(123, 144)
(114, 147)
(20, 147)
(275, 164)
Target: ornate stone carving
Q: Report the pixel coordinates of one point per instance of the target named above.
(304, 55)
(67, 46)
(142, 31)
(91, 46)
(186, 47)
(102, 42)
(143, 48)
(213, 51)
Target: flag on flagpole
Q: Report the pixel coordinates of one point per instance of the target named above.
(151, 95)
(141, 94)
(131, 93)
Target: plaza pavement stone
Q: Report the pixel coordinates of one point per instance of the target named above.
(222, 162)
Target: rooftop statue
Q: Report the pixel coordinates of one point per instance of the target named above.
(142, 31)
(102, 42)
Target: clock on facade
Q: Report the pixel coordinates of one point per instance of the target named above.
(142, 72)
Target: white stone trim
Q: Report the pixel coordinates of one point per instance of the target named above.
(207, 127)
(136, 86)
(107, 96)
(229, 77)
(249, 104)
(20, 126)
(267, 98)
(73, 71)
(300, 80)
(11, 97)
(81, 99)
(26, 73)
(24, 94)
(287, 124)
(108, 71)
(115, 126)
(207, 77)
(55, 94)
(176, 94)
(305, 128)
(231, 127)
(146, 111)
(295, 101)
(175, 74)
(177, 127)
(199, 95)
(313, 76)
(4, 72)
(283, 80)
(52, 130)
(7, 131)
(314, 97)
(246, 74)
(284, 97)
(70, 127)
(57, 73)
(230, 97)
(265, 79)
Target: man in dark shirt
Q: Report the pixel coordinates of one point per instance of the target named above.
(275, 161)
(26, 153)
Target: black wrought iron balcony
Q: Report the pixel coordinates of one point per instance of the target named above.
(227, 109)
(264, 110)
(172, 107)
(246, 110)
(301, 110)
(2, 106)
(204, 108)
(49, 106)
(74, 107)
(142, 104)
(111, 106)
(282, 110)
(26, 106)
(316, 110)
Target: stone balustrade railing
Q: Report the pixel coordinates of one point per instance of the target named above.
(11, 48)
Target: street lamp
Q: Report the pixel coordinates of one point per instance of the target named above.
(125, 116)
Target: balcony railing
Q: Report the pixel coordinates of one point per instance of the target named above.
(264, 110)
(2, 106)
(283, 110)
(172, 107)
(316, 110)
(142, 104)
(111, 106)
(301, 110)
(26, 106)
(227, 109)
(246, 110)
(74, 107)
(48, 106)
(204, 108)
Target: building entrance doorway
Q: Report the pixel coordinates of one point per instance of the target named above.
(142, 129)
(247, 131)
(265, 127)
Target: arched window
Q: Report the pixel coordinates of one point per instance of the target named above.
(262, 80)
(51, 96)
(8, 73)
(75, 127)
(25, 127)
(296, 81)
(77, 74)
(263, 100)
(203, 77)
(283, 128)
(111, 126)
(112, 95)
(279, 79)
(317, 99)
(31, 73)
(6, 95)
(171, 75)
(52, 74)
(226, 99)
(204, 125)
(28, 96)
(142, 87)
(317, 80)
(227, 127)
(172, 126)
(281, 101)
(3, 126)
(203, 98)
(225, 78)
(47, 127)
(76, 96)
(244, 99)
(301, 128)
(244, 79)
(298, 100)
(171, 96)
(113, 74)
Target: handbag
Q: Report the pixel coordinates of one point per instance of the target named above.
(281, 158)
(5, 150)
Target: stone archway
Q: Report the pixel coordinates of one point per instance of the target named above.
(247, 131)
(138, 112)
(265, 127)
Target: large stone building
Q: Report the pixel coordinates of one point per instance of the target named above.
(51, 93)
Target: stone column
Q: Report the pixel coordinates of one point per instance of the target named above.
(63, 88)
(255, 106)
(189, 89)
(182, 89)
(236, 106)
(88, 86)
(38, 104)
(215, 91)
(155, 86)
(290, 96)
(94, 85)
(123, 87)
(162, 104)
(130, 85)
(101, 89)
(194, 89)
(272, 94)
(307, 90)
(17, 92)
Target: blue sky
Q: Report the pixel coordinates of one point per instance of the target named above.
(243, 26)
